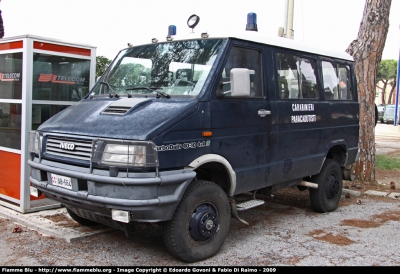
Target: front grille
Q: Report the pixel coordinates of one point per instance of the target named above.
(68, 147)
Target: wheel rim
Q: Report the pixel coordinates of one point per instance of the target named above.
(332, 188)
(204, 222)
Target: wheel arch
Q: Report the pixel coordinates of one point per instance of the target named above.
(337, 150)
(216, 169)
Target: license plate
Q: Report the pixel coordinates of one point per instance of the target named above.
(61, 181)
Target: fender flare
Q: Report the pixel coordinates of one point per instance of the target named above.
(210, 158)
(339, 142)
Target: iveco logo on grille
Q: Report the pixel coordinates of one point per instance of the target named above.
(68, 146)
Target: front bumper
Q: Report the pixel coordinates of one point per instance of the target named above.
(147, 197)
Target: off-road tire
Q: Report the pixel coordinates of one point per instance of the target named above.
(200, 223)
(326, 197)
(80, 220)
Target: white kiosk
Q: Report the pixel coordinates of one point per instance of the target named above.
(39, 77)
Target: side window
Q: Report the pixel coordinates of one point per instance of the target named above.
(297, 77)
(244, 58)
(337, 84)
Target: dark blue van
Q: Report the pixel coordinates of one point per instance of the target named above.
(175, 130)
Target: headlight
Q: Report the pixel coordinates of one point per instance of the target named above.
(35, 142)
(126, 154)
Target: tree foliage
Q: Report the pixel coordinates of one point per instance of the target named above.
(367, 53)
(1, 26)
(387, 73)
(101, 65)
(129, 75)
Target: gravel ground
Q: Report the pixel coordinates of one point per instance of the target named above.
(363, 231)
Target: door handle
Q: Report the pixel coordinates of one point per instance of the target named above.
(263, 112)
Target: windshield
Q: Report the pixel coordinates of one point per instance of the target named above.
(175, 68)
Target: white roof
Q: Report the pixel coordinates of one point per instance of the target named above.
(259, 38)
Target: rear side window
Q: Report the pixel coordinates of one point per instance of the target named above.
(337, 84)
(297, 77)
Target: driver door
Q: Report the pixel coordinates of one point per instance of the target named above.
(241, 126)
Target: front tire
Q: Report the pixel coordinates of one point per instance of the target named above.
(326, 197)
(200, 223)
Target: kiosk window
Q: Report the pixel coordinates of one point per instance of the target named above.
(244, 58)
(297, 77)
(40, 113)
(11, 76)
(10, 125)
(57, 78)
(337, 84)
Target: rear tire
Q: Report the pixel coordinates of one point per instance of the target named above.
(80, 220)
(326, 197)
(200, 223)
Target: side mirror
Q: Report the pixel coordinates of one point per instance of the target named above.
(240, 82)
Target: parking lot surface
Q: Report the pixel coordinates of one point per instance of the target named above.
(285, 231)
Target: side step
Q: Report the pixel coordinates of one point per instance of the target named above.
(244, 206)
(249, 204)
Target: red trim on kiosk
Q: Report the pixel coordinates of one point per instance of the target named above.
(60, 48)
(11, 45)
(10, 168)
(10, 178)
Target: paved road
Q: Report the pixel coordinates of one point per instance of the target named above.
(387, 138)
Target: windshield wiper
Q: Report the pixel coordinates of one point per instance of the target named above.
(110, 87)
(142, 87)
(152, 89)
(163, 94)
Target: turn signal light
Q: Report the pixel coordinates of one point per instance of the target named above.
(206, 134)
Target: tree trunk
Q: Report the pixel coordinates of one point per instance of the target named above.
(391, 93)
(367, 53)
(384, 92)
